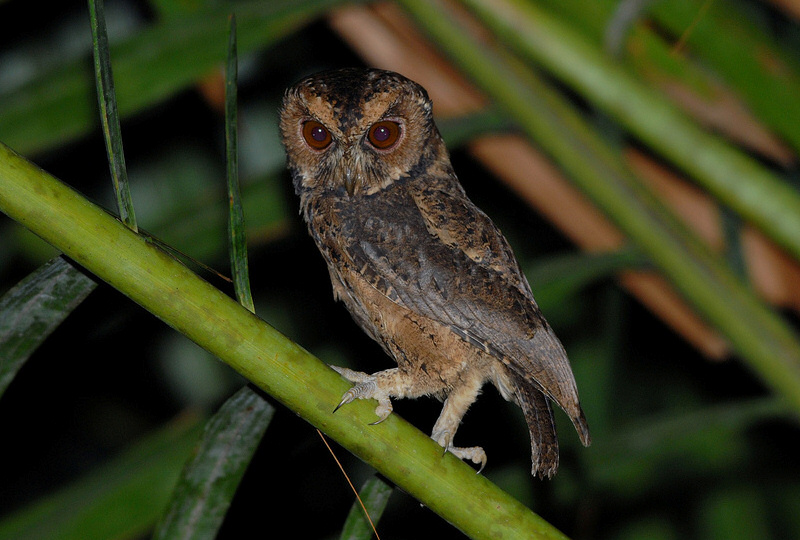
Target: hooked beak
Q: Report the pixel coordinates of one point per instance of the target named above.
(350, 173)
(349, 180)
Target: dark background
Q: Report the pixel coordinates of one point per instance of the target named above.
(663, 464)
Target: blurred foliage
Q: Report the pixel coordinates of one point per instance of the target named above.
(683, 448)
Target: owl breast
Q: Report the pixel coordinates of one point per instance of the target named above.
(416, 342)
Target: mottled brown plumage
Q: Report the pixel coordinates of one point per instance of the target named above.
(422, 270)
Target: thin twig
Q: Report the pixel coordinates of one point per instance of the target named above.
(364, 508)
(686, 33)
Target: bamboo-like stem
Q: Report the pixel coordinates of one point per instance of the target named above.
(763, 339)
(731, 176)
(169, 290)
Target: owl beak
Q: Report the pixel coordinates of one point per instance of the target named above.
(349, 180)
(351, 173)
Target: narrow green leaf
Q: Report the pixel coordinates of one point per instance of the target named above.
(557, 278)
(701, 440)
(55, 108)
(120, 500)
(753, 63)
(236, 226)
(209, 481)
(34, 308)
(459, 130)
(109, 117)
(724, 42)
(375, 495)
(733, 177)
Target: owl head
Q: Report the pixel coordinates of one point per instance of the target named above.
(357, 131)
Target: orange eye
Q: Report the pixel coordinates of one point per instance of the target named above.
(383, 135)
(316, 135)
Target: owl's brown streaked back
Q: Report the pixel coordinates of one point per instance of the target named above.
(422, 270)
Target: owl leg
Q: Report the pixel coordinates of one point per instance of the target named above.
(380, 386)
(455, 407)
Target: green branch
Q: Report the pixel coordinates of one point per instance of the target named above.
(169, 290)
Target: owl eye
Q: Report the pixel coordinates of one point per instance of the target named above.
(383, 135)
(316, 135)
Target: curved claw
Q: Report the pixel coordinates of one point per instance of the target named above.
(483, 464)
(474, 454)
(446, 440)
(443, 439)
(347, 398)
(366, 389)
(383, 410)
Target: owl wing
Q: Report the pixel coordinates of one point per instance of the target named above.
(440, 256)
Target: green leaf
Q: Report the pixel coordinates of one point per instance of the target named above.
(34, 308)
(739, 513)
(236, 228)
(209, 481)
(702, 440)
(556, 279)
(119, 500)
(735, 47)
(733, 177)
(109, 116)
(461, 129)
(149, 67)
(375, 495)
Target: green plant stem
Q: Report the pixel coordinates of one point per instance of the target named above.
(731, 176)
(763, 339)
(163, 286)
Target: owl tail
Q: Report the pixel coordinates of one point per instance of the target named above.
(539, 416)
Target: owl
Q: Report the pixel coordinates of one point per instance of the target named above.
(421, 269)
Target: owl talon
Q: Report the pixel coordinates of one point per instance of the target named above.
(443, 439)
(347, 398)
(474, 454)
(383, 410)
(366, 388)
(483, 463)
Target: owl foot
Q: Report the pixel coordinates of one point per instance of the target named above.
(366, 387)
(473, 453)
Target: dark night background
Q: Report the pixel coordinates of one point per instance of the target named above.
(668, 461)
